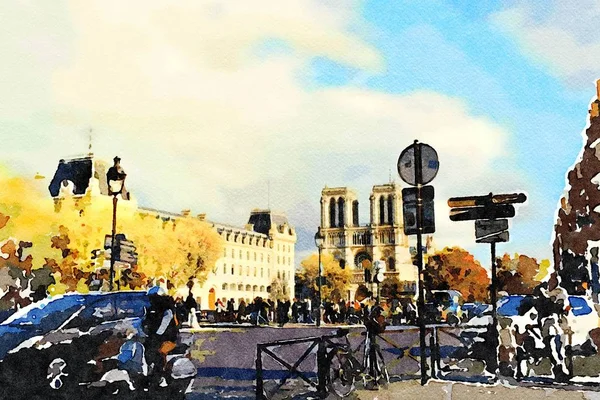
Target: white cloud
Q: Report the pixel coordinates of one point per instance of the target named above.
(203, 122)
(561, 35)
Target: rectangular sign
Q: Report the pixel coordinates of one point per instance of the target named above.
(485, 228)
(107, 242)
(489, 212)
(474, 201)
(496, 238)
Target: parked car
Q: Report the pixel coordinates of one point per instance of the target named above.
(444, 306)
(68, 311)
(581, 315)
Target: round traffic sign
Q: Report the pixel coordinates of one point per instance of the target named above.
(407, 162)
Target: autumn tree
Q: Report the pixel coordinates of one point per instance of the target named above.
(67, 237)
(517, 275)
(337, 279)
(456, 268)
(279, 290)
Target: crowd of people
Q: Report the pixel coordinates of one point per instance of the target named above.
(265, 311)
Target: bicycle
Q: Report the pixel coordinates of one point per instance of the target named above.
(344, 369)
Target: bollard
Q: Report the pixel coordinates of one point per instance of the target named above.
(432, 352)
(259, 375)
(322, 369)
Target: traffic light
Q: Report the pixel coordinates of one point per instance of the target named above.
(409, 208)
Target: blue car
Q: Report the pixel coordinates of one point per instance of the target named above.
(73, 310)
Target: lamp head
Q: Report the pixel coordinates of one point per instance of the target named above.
(319, 239)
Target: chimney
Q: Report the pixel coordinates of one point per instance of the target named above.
(202, 217)
(598, 89)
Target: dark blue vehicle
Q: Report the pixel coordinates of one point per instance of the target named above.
(73, 310)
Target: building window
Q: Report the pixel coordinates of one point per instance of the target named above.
(224, 252)
(247, 255)
(247, 270)
(224, 269)
(332, 213)
(355, 213)
(254, 256)
(278, 259)
(269, 272)
(268, 258)
(240, 270)
(232, 253)
(278, 274)
(240, 254)
(341, 205)
(232, 269)
(254, 271)
(261, 272)
(225, 287)
(262, 257)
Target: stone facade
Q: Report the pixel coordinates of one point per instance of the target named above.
(252, 258)
(382, 238)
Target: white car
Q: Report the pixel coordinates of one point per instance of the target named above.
(582, 315)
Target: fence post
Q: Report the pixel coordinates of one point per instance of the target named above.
(322, 369)
(259, 374)
(432, 352)
(437, 349)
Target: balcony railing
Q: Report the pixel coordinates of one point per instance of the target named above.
(386, 236)
(336, 239)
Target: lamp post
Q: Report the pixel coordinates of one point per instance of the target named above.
(319, 240)
(115, 178)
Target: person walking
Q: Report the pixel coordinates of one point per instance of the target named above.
(241, 312)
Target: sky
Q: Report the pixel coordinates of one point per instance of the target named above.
(222, 107)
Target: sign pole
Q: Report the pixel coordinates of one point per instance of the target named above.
(494, 300)
(421, 299)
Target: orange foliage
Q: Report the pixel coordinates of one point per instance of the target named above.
(456, 268)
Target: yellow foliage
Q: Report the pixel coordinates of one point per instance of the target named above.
(64, 233)
(338, 279)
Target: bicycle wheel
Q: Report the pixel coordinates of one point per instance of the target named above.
(342, 373)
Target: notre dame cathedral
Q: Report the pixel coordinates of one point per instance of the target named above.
(382, 238)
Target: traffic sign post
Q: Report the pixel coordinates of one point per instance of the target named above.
(490, 227)
(418, 165)
(491, 231)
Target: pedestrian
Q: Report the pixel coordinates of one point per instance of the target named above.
(295, 310)
(161, 328)
(241, 312)
(191, 307)
(231, 310)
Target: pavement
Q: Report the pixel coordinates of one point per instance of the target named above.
(436, 390)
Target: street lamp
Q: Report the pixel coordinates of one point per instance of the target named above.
(115, 178)
(319, 240)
